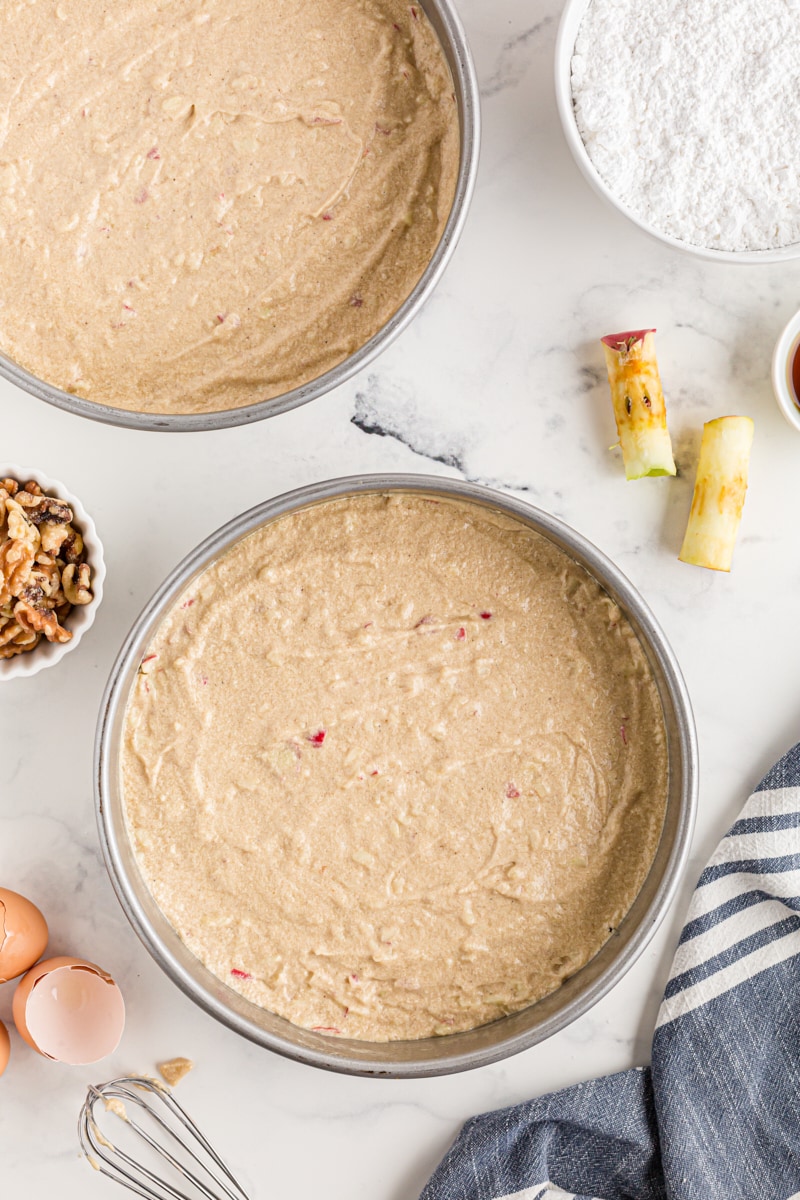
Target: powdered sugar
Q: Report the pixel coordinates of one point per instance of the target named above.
(690, 111)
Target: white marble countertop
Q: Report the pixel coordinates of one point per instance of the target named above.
(501, 380)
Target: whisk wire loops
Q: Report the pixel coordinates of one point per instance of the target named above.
(173, 1139)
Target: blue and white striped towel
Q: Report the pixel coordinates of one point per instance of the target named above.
(717, 1116)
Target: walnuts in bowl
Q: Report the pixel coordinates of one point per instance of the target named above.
(42, 568)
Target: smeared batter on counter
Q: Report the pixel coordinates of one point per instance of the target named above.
(204, 204)
(394, 767)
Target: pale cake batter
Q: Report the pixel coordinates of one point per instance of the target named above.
(204, 204)
(394, 767)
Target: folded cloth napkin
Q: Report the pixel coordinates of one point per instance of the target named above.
(717, 1115)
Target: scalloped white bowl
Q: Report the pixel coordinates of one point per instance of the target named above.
(47, 654)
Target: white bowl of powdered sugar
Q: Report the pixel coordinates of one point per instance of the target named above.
(684, 116)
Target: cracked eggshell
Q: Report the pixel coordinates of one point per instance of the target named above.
(69, 1010)
(5, 1047)
(23, 935)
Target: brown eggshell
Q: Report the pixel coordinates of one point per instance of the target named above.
(5, 1047)
(69, 1010)
(23, 935)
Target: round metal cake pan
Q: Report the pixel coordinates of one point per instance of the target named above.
(452, 1052)
(447, 25)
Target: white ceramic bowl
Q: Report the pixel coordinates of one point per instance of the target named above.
(565, 44)
(782, 359)
(47, 654)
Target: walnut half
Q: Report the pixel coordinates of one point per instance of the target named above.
(75, 582)
(40, 620)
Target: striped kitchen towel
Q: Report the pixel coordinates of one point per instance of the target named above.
(717, 1115)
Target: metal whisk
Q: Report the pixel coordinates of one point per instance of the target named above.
(183, 1164)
